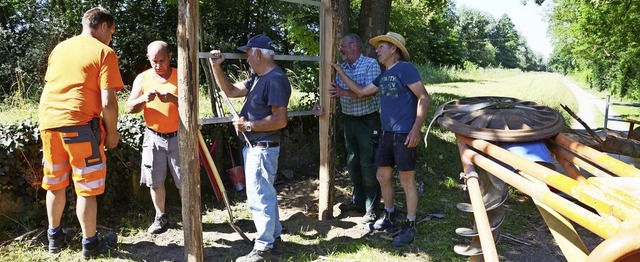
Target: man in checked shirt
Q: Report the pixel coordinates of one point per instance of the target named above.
(361, 127)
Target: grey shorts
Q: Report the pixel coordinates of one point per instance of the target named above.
(158, 155)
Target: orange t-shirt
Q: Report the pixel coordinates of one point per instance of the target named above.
(159, 116)
(79, 68)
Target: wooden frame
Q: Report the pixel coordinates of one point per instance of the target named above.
(327, 105)
(188, 56)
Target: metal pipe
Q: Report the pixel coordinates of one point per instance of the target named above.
(587, 194)
(542, 173)
(566, 154)
(607, 162)
(581, 216)
(569, 168)
(624, 246)
(489, 251)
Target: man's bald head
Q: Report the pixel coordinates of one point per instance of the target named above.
(159, 56)
(157, 48)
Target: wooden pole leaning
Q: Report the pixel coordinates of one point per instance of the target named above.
(209, 161)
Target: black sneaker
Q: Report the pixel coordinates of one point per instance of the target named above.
(256, 256)
(386, 222)
(406, 236)
(159, 224)
(346, 207)
(100, 246)
(276, 249)
(59, 240)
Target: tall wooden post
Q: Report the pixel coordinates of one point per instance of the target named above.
(327, 120)
(188, 109)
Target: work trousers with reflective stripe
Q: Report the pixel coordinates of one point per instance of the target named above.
(77, 151)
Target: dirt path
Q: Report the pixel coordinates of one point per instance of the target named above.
(589, 107)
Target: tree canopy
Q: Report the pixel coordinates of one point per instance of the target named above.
(600, 39)
(436, 31)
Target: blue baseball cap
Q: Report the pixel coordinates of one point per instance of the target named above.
(258, 41)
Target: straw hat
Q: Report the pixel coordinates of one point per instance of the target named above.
(394, 38)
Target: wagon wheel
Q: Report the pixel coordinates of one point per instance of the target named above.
(501, 119)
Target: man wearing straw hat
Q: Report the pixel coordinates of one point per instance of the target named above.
(404, 103)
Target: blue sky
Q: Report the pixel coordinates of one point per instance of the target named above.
(528, 19)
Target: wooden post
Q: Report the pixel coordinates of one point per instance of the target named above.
(188, 110)
(327, 120)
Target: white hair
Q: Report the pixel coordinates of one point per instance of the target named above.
(265, 52)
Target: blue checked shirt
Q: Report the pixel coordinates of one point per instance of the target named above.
(363, 72)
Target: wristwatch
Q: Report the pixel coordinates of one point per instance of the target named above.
(247, 126)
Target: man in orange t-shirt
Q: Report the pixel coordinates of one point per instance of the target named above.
(155, 91)
(78, 117)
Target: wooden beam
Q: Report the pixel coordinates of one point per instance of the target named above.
(327, 121)
(229, 119)
(187, 135)
(276, 57)
(305, 2)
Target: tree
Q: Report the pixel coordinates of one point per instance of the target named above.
(374, 21)
(429, 30)
(602, 39)
(474, 27)
(506, 40)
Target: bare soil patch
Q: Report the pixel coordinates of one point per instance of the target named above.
(303, 230)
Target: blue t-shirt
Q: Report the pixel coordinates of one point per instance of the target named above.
(271, 89)
(398, 104)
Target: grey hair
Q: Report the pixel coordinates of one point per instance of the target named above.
(265, 52)
(354, 38)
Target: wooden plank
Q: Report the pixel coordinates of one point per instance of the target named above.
(304, 2)
(188, 111)
(327, 121)
(276, 57)
(229, 119)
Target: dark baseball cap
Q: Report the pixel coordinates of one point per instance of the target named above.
(258, 41)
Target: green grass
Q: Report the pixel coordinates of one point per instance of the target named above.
(438, 169)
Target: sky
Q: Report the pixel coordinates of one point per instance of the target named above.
(528, 19)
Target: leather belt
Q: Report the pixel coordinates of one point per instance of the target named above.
(164, 135)
(265, 144)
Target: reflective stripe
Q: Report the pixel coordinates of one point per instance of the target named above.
(48, 165)
(55, 180)
(87, 170)
(88, 186)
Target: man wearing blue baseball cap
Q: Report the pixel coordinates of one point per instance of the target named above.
(262, 118)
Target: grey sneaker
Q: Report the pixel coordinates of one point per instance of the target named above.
(100, 246)
(369, 217)
(159, 224)
(59, 240)
(406, 236)
(256, 256)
